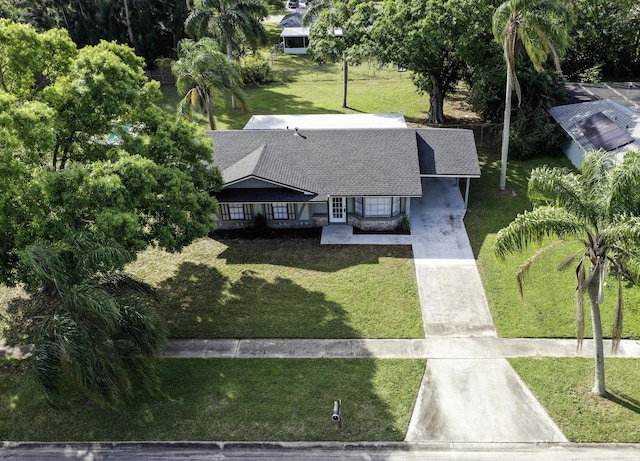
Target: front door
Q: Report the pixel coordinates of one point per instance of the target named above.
(337, 209)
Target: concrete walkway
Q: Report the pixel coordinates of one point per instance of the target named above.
(471, 400)
(427, 348)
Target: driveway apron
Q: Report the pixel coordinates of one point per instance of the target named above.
(463, 399)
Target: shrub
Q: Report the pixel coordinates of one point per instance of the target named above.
(256, 71)
(260, 225)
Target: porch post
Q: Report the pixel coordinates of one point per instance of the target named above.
(466, 194)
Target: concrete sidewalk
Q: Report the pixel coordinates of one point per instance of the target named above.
(426, 348)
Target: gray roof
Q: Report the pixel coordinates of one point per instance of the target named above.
(358, 162)
(572, 118)
(447, 152)
(292, 19)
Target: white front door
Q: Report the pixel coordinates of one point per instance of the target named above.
(337, 209)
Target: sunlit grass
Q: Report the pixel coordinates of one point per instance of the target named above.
(563, 386)
(286, 288)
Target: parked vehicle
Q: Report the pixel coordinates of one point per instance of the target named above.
(293, 4)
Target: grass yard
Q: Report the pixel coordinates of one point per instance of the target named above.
(285, 288)
(230, 399)
(548, 306)
(304, 87)
(563, 386)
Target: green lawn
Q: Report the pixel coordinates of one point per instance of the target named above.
(231, 399)
(285, 288)
(548, 306)
(563, 386)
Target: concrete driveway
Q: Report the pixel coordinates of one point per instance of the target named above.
(463, 399)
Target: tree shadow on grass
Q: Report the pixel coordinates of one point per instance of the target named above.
(200, 302)
(624, 400)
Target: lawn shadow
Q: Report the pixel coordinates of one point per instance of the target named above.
(624, 400)
(309, 254)
(199, 302)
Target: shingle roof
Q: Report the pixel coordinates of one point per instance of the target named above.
(378, 162)
(571, 118)
(447, 152)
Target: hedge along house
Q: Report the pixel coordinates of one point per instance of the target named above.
(595, 125)
(318, 177)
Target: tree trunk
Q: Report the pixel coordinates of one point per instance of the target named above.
(505, 131)
(234, 104)
(596, 323)
(209, 109)
(345, 79)
(128, 19)
(436, 102)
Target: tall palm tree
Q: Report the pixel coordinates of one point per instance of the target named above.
(97, 333)
(600, 208)
(228, 20)
(203, 73)
(542, 26)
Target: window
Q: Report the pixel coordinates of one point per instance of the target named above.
(235, 211)
(377, 206)
(280, 211)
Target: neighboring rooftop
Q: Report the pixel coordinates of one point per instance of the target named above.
(599, 124)
(325, 121)
(625, 93)
(292, 19)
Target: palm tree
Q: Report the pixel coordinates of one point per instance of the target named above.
(601, 209)
(542, 27)
(96, 333)
(203, 73)
(228, 20)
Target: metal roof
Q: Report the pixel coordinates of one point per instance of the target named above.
(572, 118)
(325, 121)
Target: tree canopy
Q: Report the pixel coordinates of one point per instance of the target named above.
(86, 149)
(432, 38)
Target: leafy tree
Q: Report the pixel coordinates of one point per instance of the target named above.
(95, 335)
(92, 153)
(601, 209)
(152, 27)
(104, 85)
(202, 74)
(351, 44)
(542, 27)
(432, 38)
(606, 38)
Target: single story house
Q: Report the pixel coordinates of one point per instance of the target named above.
(594, 125)
(316, 177)
(295, 40)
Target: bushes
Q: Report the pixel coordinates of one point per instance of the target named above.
(256, 71)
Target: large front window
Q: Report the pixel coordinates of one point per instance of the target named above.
(280, 211)
(235, 211)
(376, 207)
